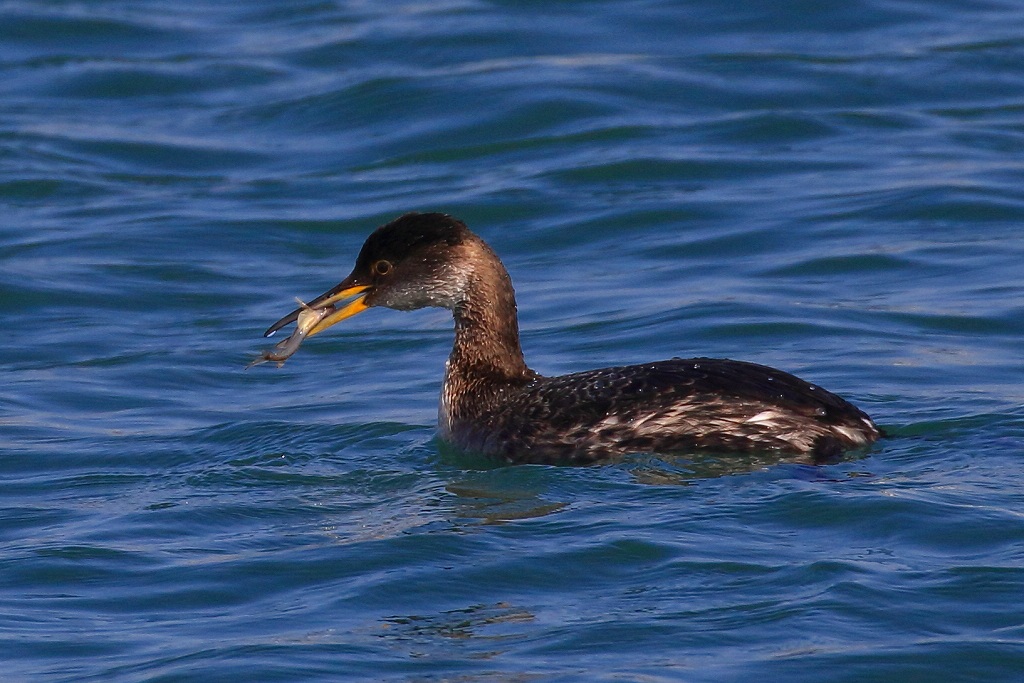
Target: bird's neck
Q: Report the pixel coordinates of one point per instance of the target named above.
(486, 357)
(486, 322)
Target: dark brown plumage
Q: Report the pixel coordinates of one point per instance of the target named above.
(491, 402)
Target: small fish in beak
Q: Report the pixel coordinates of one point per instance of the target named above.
(307, 319)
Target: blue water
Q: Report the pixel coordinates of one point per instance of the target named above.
(832, 188)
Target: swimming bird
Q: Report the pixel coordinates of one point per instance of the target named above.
(493, 403)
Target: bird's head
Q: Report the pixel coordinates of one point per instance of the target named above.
(412, 262)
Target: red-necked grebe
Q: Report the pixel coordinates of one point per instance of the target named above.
(492, 403)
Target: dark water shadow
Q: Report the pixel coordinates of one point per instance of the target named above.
(495, 492)
(687, 469)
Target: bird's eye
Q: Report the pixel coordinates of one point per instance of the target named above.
(382, 267)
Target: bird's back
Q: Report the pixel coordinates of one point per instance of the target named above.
(674, 405)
